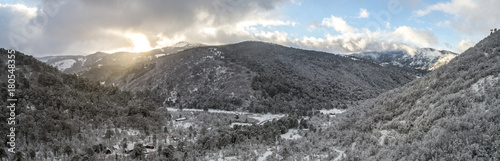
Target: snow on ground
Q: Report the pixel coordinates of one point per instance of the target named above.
(341, 155)
(240, 124)
(200, 110)
(83, 60)
(64, 64)
(482, 83)
(384, 64)
(180, 44)
(382, 138)
(265, 155)
(159, 55)
(331, 112)
(292, 134)
(442, 61)
(130, 132)
(263, 118)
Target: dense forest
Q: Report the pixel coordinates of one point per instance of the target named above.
(57, 112)
(62, 116)
(451, 114)
(261, 77)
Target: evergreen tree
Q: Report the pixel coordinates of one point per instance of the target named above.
(3, 154)
(138, 151)
(19, 156)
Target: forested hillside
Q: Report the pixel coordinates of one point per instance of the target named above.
(452, 113)
(262, 77)
(62, 115)
(98, 65)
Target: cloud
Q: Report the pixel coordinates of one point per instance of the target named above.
(82, 26)
(470, 17)
(13, 16)
(338, 24)
(422, 38)
(464, 44)
(363, 13)
(350, 39)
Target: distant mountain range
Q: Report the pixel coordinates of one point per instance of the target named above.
(77, 63)
(255, 76)
(426, 59)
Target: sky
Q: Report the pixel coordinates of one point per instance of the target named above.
(81, 27)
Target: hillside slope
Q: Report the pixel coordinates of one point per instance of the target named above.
(452, 113)
(56, 110)
(99, 62)
(262, 77)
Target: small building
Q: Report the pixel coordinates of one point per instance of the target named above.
(181, 119)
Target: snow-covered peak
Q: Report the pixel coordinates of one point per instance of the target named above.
(423, 58)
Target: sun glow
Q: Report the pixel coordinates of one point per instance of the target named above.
(140, 41)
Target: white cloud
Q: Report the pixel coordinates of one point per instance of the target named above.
(363, 13)
(444, 23)
(422, 38)
(29, 12)
(470, 17)
(12, 19)
(220, 24)
(338, 24)
(464, 44)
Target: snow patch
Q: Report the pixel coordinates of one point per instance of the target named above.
(183, 124)
(240, 124)
(64, 64)
(341, 155)
(292, 134)
(159, 55)
(263, 118)
(265, 155)
(331, 112)
(83, 60)
(480, 85)
(30, 107)
(444, 59)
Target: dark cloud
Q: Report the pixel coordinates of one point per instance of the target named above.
(88, 23)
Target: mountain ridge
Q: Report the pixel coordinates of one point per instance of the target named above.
(424, 59)
(451, 113)
(266, 73)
